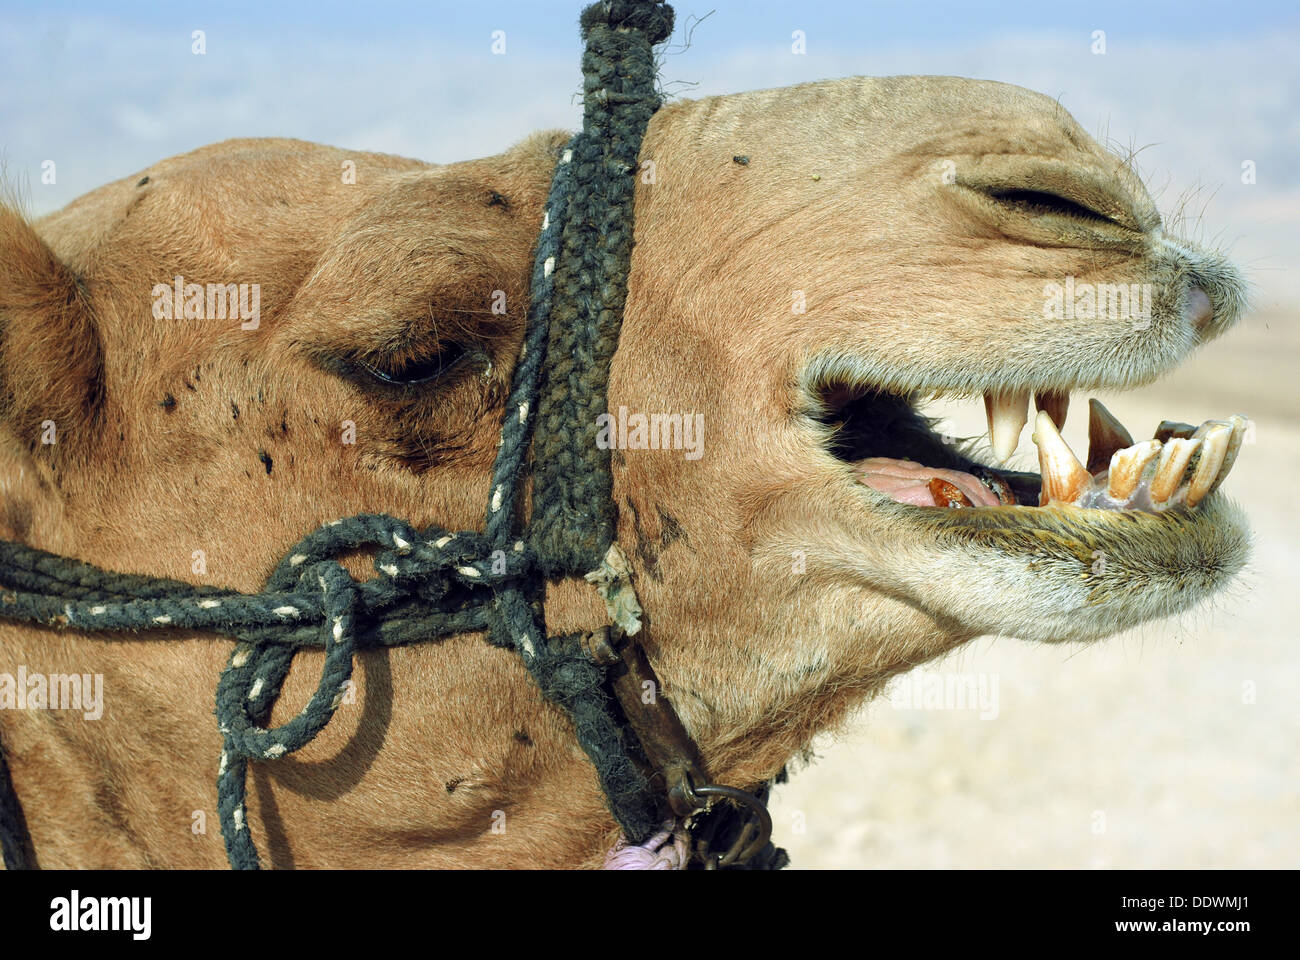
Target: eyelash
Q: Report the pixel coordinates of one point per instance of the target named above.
(418, 371)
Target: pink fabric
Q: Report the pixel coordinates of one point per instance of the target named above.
(666, 850)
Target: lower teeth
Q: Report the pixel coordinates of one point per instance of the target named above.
(1177, 470)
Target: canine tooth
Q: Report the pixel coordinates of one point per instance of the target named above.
(1055, 403)
(1126, 468)
(947, 494)
(1215, 435)
(1174, 430)
(1063, 475)
(1105, 436)
(1174, 459)
(1239, 424)
(1007, 413)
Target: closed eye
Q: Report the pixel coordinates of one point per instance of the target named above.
(399, 372)
(417, 370)
(1039, 203)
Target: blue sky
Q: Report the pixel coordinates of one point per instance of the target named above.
(739, 22)
(107, 89)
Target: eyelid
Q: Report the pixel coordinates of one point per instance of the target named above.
(442, 364)
(380, 375)
(1100, 189)
(1047, 202)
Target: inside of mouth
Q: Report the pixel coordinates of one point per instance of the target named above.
(895, 450)
(898, 451)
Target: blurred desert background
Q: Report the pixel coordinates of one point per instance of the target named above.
(1173, 746)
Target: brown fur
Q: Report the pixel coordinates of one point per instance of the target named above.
(911, 282)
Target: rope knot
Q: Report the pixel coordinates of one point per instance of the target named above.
(567, 676)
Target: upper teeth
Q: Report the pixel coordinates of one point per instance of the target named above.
(1007, 413)
(1055, 403)
(1182, 465)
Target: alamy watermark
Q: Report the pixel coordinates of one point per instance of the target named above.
(75, 913)
(54, 691)
(1098, 301)
(214, 301)
(655, 431)
(934, 690)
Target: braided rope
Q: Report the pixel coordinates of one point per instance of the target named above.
(433, 583)
(573, 507)
(429, 584)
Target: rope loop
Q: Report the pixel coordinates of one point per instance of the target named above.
(242, 683)
(314, 586)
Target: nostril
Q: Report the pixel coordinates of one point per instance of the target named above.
(1200, 312)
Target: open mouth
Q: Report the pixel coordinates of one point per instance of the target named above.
(896, 451)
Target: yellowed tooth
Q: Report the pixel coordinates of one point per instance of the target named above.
(1174, 458)
(1007, 413)
(1239, 425)
(1056, 403)
(1173, 429)
(1205, 429)
(1215, 435)
(1105, 436)
(1063, 475)
(1126, 468)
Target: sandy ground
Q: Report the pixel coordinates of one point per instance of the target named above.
(1169, 746)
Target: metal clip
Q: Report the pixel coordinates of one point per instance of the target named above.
(754, 834)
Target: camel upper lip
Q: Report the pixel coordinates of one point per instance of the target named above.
(859, 373)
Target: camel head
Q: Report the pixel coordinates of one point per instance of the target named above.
(811, 263)
(203, 362)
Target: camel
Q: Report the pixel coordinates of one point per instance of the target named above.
(205, 360)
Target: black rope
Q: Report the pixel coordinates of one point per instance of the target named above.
(15, 839)
(573, 508)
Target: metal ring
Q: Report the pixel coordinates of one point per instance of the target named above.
(740, 851)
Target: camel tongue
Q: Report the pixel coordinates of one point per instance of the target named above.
(913, 483)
